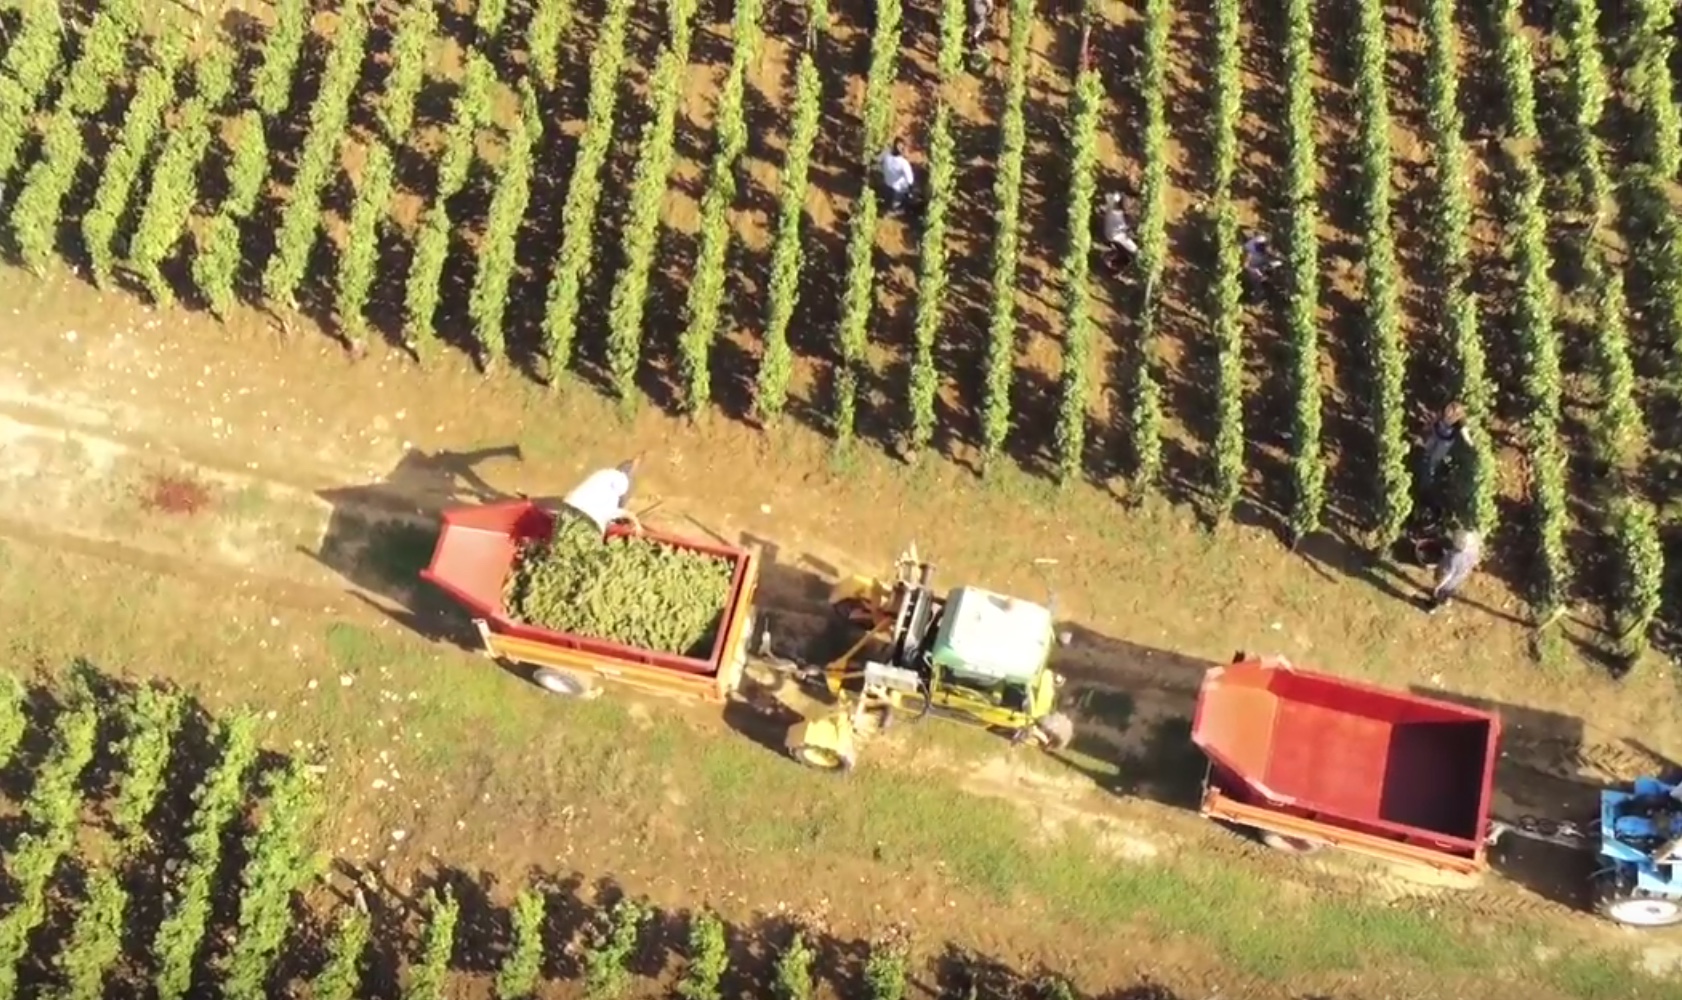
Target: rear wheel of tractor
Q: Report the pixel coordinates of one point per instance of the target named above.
(1621, 900)
(561, 682)
(819, 758)
(1289, 845)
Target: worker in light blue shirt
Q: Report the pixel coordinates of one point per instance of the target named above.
(898, 180)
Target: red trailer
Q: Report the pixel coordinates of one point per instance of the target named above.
(476, 552)
(1310, 760)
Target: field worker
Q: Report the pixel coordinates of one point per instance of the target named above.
(897, 176)
(1119, 246)
(1456, 567)
(1447, 430)
(980, 19)
(1258, 259)
(601, 497)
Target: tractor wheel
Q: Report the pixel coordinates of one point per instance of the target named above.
(1618, 898)
(561, 682)
(1289, 845)
(820, 758)
(1057, 729)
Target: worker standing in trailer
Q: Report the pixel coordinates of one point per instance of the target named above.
(600, 498)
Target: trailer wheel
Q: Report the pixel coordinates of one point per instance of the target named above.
(561, 682)
(1619, 899)
(1289, 845)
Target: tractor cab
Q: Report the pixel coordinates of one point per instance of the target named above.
(993, 652)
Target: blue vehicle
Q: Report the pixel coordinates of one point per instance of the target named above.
(1640, 852)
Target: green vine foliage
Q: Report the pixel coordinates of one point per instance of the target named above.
(1078, 328)
(776, 366)
(1302, 311)
(1145, 397)
(1000, 368)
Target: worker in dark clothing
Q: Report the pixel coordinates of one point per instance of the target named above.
(1120, 248)
(1259, 262)
(1447, 430)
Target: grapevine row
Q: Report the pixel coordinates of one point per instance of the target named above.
(421, 292)
(431, 980)
(1076, 379)
(1007, 195)
(151, 720)
(360, 256)
(341, 977)
(499, 257)
(13, 716)
(301, 220)
(217, 257)
(1302, 310)
(859, 295)
(1648, 85)
(1145, 402)
(776, 366)
(175, 187)
(35, 212)
(641, 237)
(543, 39)
(154, 93)
(933, 277)
(411, 46)
(706, 290)
(1227, 307)
(584, 190)
(271, 89)
(1449, 224)
(52, 812)
(33, 57)
(216, 803)
(1534, 319)
(517, 978)
(1619, 434)
(104, 56)
(280, 863)
(1394, 486)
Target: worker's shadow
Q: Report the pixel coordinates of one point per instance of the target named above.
(380, 535)
(1553, 767)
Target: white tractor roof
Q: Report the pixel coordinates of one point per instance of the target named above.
(995, 636)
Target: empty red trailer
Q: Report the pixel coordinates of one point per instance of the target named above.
(1317, 760)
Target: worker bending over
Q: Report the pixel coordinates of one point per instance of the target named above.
(1259, 261)
(600, 498)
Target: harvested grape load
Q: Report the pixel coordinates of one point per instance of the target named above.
(630, 590)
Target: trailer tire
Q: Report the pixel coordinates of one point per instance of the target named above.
(562, 682)
(1289, 845)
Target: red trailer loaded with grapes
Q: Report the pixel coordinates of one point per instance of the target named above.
(1310, 760)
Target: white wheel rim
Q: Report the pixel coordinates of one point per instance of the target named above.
(1645, 912)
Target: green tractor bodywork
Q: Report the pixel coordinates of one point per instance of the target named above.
(991, 658)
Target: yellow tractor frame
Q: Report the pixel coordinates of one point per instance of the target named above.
(831, 741)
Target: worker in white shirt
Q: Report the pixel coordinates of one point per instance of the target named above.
(601, 497)
(1119, 245)
(898, 180)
